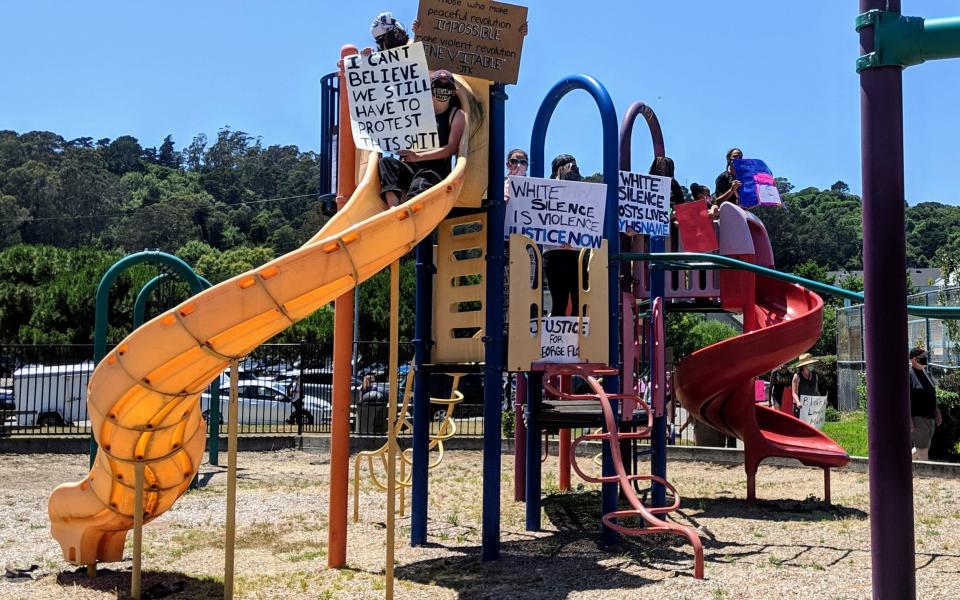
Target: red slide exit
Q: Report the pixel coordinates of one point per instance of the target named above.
(716, 384)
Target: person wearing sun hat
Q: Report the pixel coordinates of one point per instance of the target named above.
(925, 415)
(804, 381)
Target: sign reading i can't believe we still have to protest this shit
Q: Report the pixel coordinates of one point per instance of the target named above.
(391, 108)
(644, 204)
(473, 37)
(553, 212)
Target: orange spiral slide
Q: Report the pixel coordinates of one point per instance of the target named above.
(143, 397)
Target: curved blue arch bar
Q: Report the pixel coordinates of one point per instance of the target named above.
(611, 140)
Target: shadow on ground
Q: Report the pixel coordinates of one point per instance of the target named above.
(154, 584)
(811, 509)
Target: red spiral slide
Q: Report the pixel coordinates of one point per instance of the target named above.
(716, 384)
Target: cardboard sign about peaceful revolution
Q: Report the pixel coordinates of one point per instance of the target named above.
(559, 340)
(391, 108)
(474, 38)
(644, 204)
(758, 188)
(813, 410)
(553, 212)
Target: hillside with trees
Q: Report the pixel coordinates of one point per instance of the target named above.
(70, 208)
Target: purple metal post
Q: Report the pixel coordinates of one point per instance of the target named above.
(884, 263)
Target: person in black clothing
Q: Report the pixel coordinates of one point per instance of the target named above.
(416, 171)
(805, 381)
(727, 186)
(663, 166)
(924, 413)
(781, 379)
(560, 264)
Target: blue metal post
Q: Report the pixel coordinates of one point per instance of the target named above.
(608, 117)
(532, 457)
(658, 437)
(421, 392)
(494, 342)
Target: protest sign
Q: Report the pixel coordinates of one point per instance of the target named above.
(813, 410)
(559, 340)
(469, 37)
(758, 188)
(696, 228)
(554, 212)
(644, 204)
(391, 108)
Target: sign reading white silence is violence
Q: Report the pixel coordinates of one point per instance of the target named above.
(552, 212)
(644, 204)
(391, 108)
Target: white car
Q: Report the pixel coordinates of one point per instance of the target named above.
(266, 402)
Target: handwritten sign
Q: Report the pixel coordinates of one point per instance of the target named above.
(391, 108)
(813, 410)
(474, 38)
(560, 341)
(553, 212)
(644, 204)
(758, 186)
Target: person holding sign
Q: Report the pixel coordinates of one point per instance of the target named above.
(414, 172)
(560, 265)
(804, 381)
(387, 32)
(663, 166)
(727, 185)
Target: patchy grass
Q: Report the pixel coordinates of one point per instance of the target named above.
(850, 432)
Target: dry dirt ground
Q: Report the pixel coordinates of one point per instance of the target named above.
(788, 546)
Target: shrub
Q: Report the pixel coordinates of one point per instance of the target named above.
(947, 435)
(506, 423)
(833, 415)
(862, 392)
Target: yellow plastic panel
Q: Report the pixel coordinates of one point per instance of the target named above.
(143, 398)
(524, 347)
(460, 279)
(594, 348)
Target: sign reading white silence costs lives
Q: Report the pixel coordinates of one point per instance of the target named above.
(560, 339)
(552, 212)
(644, 204)
(391, 108)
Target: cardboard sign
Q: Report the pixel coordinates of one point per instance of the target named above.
(758, 186)
(697, 232)
(813, 410)
(644, 204)
(554, 213)
(474, 38)
(391, 108)
(560, 338)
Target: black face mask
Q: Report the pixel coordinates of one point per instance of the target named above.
(922, 360)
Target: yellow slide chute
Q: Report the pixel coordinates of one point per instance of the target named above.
(143, 397)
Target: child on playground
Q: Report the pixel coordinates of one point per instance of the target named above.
(416, 171)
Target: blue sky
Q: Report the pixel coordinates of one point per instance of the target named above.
(774, 78)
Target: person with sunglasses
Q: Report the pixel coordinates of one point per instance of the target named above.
(415, 171)
(517, 163)
(387, 33)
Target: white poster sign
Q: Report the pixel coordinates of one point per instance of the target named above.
(554, 213)
(391, 108)
(644, 204)
(560, 338)
(813, 410)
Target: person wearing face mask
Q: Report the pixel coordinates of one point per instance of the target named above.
(727, 186)
(517, 163)
(805, 381)
(387, 32)
(925, 415)
(560, 264)
(416, 171)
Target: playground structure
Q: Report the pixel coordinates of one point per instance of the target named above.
(143, 397)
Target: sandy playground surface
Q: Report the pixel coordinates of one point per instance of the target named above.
(788, 546)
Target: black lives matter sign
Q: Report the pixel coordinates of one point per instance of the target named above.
(473, 38)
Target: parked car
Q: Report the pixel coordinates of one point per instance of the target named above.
(261, 402)
(7, 401)
(470, 385)
(53, 395)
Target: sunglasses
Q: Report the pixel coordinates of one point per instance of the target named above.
(518, 161)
